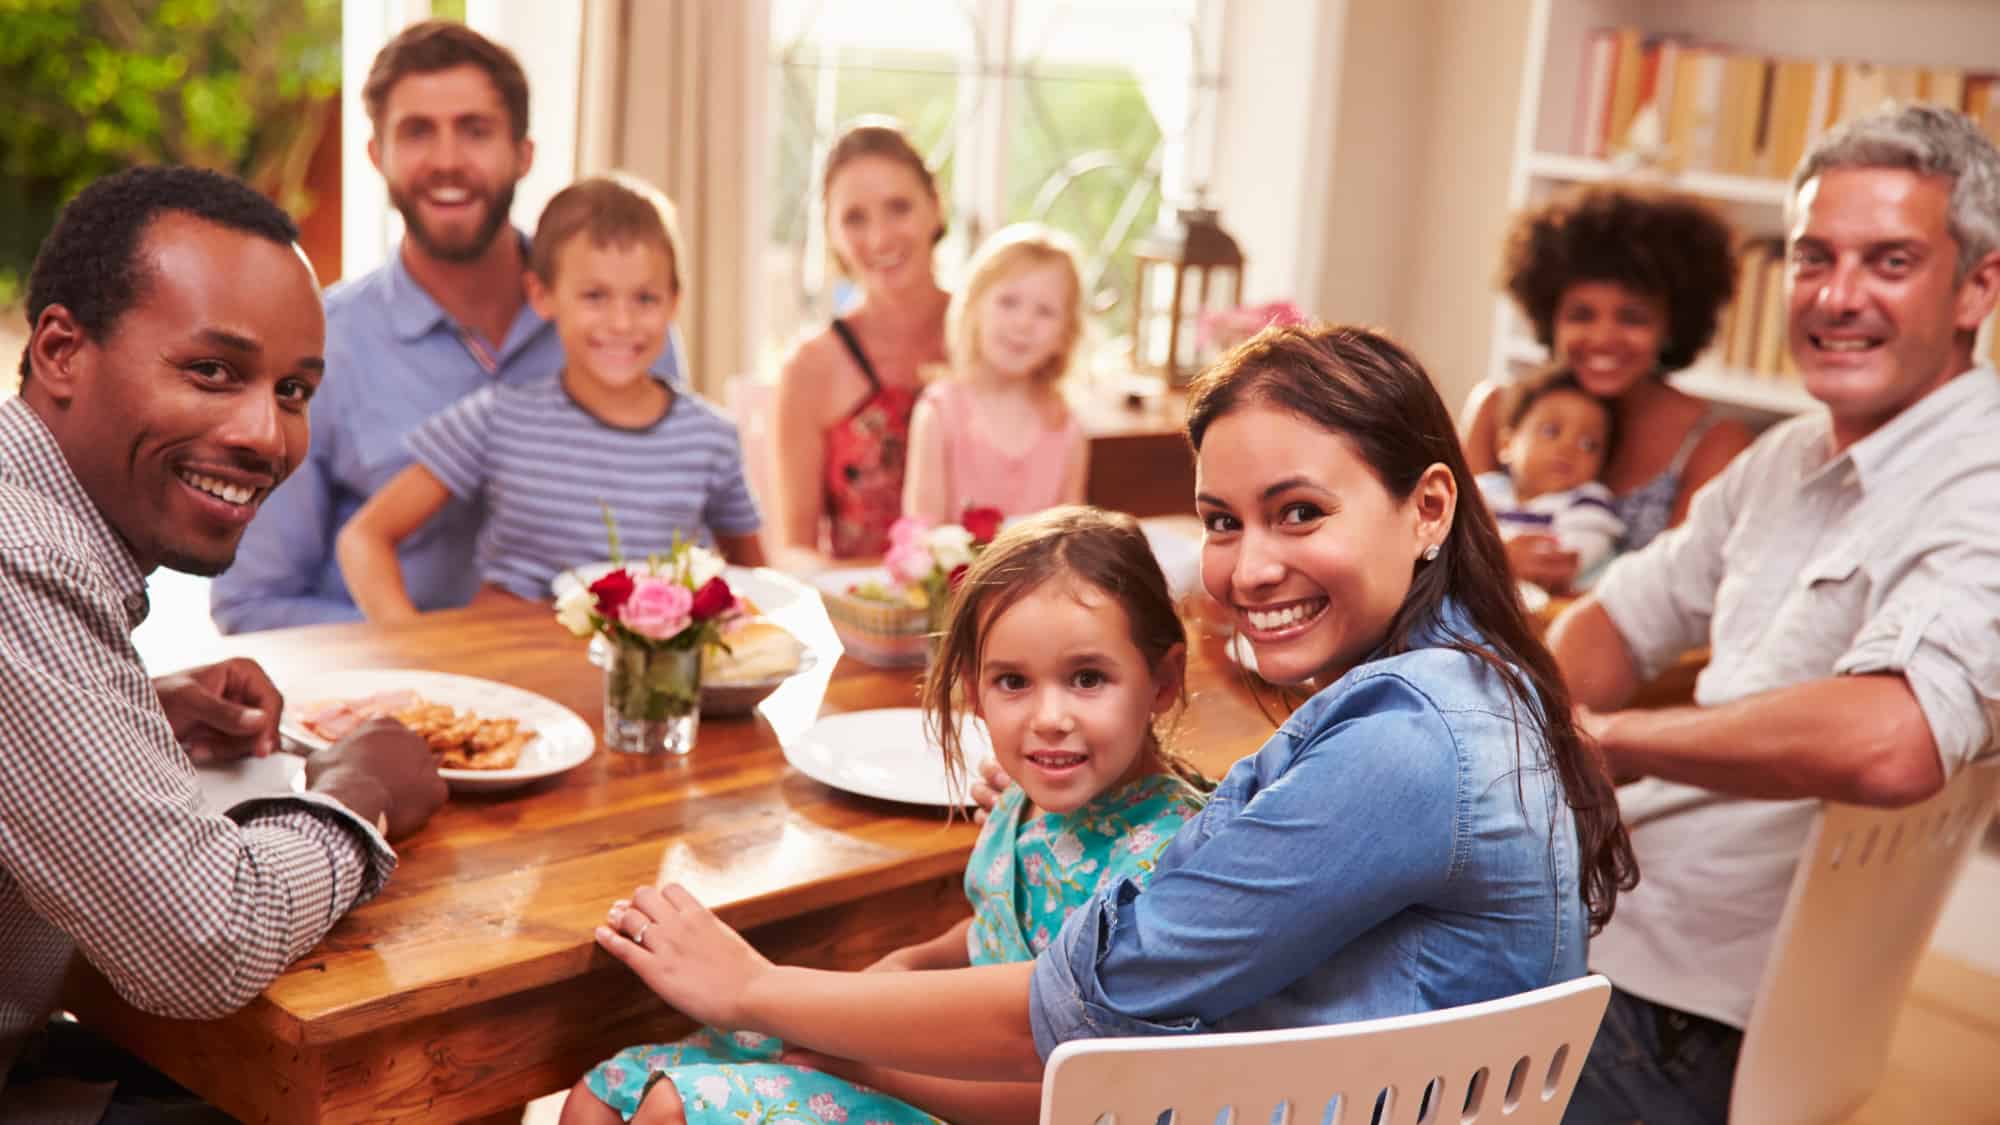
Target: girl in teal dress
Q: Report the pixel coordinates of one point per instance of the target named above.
(1064, 640)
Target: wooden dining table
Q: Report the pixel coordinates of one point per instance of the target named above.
(471, 985)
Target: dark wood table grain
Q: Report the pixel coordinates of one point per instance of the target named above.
(471, 985)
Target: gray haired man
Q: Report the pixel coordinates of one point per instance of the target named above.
(1844, 572)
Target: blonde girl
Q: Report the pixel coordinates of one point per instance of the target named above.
(998, 433)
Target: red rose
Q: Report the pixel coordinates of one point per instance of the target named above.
(983, 523)
(956, 576)
(712, 599)
(611, 591)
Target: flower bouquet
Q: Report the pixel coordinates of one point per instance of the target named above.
(657, 617)
(890, 616)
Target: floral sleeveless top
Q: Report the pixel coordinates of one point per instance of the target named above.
(865, 451)
(1027, 873)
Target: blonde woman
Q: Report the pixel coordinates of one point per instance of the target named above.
(998, 433)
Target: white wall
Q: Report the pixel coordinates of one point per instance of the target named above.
(1274, 140)
(548, 39)
(1363, 162)
(1461, 212)
(1375, 182)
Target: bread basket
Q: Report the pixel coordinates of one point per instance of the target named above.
(875, 632)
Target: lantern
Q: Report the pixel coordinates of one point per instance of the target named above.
(1186, 268)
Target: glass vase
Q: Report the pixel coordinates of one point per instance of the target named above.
(652, 699)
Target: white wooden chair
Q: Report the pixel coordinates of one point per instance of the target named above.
(1859, 915)
(1514, 1059)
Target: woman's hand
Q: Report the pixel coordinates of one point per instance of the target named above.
(1542, 559)
(685, 954)
(986, 791)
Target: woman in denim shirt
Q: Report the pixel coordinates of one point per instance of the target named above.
(1427, 830)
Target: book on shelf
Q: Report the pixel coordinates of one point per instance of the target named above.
(1740, 112)
(1753, 338)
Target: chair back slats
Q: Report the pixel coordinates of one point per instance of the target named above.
(1868, 892)
(1514, 1059)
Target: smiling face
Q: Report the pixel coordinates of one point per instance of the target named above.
(1877, 319)
(1610, 335)
(1068, 698)
(612, 306)
(1023, 320)
(882, 221)
(1557, 445)
(1303, 543)
(193, 406)
(446, 150)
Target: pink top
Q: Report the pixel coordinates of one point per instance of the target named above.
(978, 474)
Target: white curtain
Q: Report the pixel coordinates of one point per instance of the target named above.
(671, 91)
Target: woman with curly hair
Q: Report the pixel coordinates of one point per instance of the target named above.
(1625, 286)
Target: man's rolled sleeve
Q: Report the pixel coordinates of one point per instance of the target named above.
(334, 859)
(1065, 1000)
(1950, 660)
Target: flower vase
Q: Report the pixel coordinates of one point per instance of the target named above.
(652, 699)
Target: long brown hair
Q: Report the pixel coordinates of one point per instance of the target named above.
(882, 137)
(1368, 390)
(1103, 550)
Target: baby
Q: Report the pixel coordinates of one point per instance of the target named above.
(1555, 440)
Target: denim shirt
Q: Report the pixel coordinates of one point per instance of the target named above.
(1400, 845)
(394, 357)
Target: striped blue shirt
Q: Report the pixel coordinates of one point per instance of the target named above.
(541, 465)
(394, 357)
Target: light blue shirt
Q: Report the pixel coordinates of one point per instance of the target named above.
(393, 359)
(1400, 845)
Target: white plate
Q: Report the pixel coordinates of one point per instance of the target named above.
(772, 590)
(1179, 556)
(562, 739)
(883, 753)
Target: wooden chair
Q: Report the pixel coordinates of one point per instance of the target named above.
(1859, 915)
(1514, 1059)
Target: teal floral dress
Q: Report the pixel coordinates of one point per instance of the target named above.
(1026, 875)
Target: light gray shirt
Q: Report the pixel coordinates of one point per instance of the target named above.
(1794, 565)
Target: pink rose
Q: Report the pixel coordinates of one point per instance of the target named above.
(910, 562)
(907, 529)
(658, 608)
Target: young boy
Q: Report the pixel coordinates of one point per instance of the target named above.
(1555, 441)
(544, 459)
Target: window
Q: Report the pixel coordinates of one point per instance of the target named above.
(1082, 115)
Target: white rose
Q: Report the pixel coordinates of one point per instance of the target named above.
(702, 564)
(951, 546)
(573, 610)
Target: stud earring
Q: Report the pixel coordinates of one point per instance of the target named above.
(1431, 553)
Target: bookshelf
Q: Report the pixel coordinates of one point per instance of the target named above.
(1570, 105)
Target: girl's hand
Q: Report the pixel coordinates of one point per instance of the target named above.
(685, 954)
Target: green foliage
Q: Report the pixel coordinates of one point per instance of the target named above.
(98, 85)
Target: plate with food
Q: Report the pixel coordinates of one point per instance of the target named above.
(885, 753)
(487, 736)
